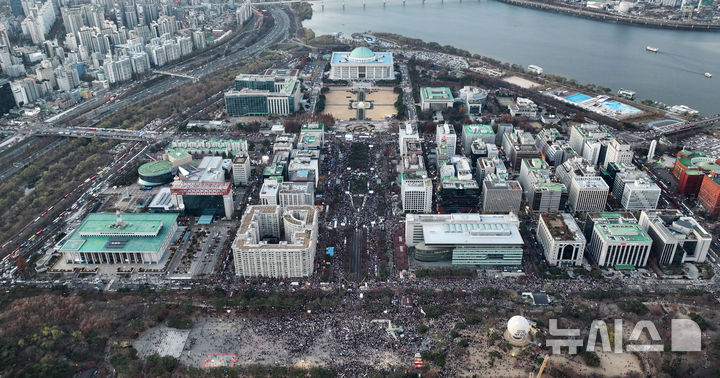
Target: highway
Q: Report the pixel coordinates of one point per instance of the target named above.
(24, 162)
(118, 134)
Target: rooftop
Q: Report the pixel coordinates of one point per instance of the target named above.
(312, 127)
(535, 164)
(178, 154)
(478, 129)
(562, 226)
(441, 94)
(361, 55)
(591, 182)
(498, 182)
(137, 233)
(296, 187)
(303, 215)
(472, 229)
(698, 160)
(273, 170)
(620, 233)
(155, 168)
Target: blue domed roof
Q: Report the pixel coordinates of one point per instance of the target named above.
(362, 53)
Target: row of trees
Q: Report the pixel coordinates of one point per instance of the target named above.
(400, 104)
(46, 180)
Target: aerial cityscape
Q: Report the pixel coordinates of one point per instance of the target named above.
(395, 188)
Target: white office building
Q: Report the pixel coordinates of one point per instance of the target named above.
(407, 132)
(619, 152)
(592, 141)
(269, 192)
(524, 107)
(575, 167)
(416, 192)
(635, 190)
(445, 141)
(562, 241)
(296, 193)
(587, 194)
(241, 169)
(617, 242)
(276, 242)
(677, 239)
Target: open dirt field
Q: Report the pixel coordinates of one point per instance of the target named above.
(611, 365)
(336, 103)
(383, 101)
(383, 98)
(521, 82)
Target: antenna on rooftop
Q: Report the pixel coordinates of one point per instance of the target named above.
(118, 219)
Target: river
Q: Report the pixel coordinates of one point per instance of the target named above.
(607, 54)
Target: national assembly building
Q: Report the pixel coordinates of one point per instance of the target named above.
(362, 64)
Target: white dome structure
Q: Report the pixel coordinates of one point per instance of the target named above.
(518, 331)
(625, 6)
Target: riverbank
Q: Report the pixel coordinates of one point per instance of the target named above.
(612, 17)
(541, 89)
(611, 55)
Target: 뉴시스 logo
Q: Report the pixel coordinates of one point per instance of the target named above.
(685, 337)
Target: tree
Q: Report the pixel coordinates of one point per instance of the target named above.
(506, 118)
(433, 312)
(591, 359)
(21, 264)
(292, 126)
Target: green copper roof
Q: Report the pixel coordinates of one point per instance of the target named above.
(362, 53)
(139, 233)
(155, 168)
